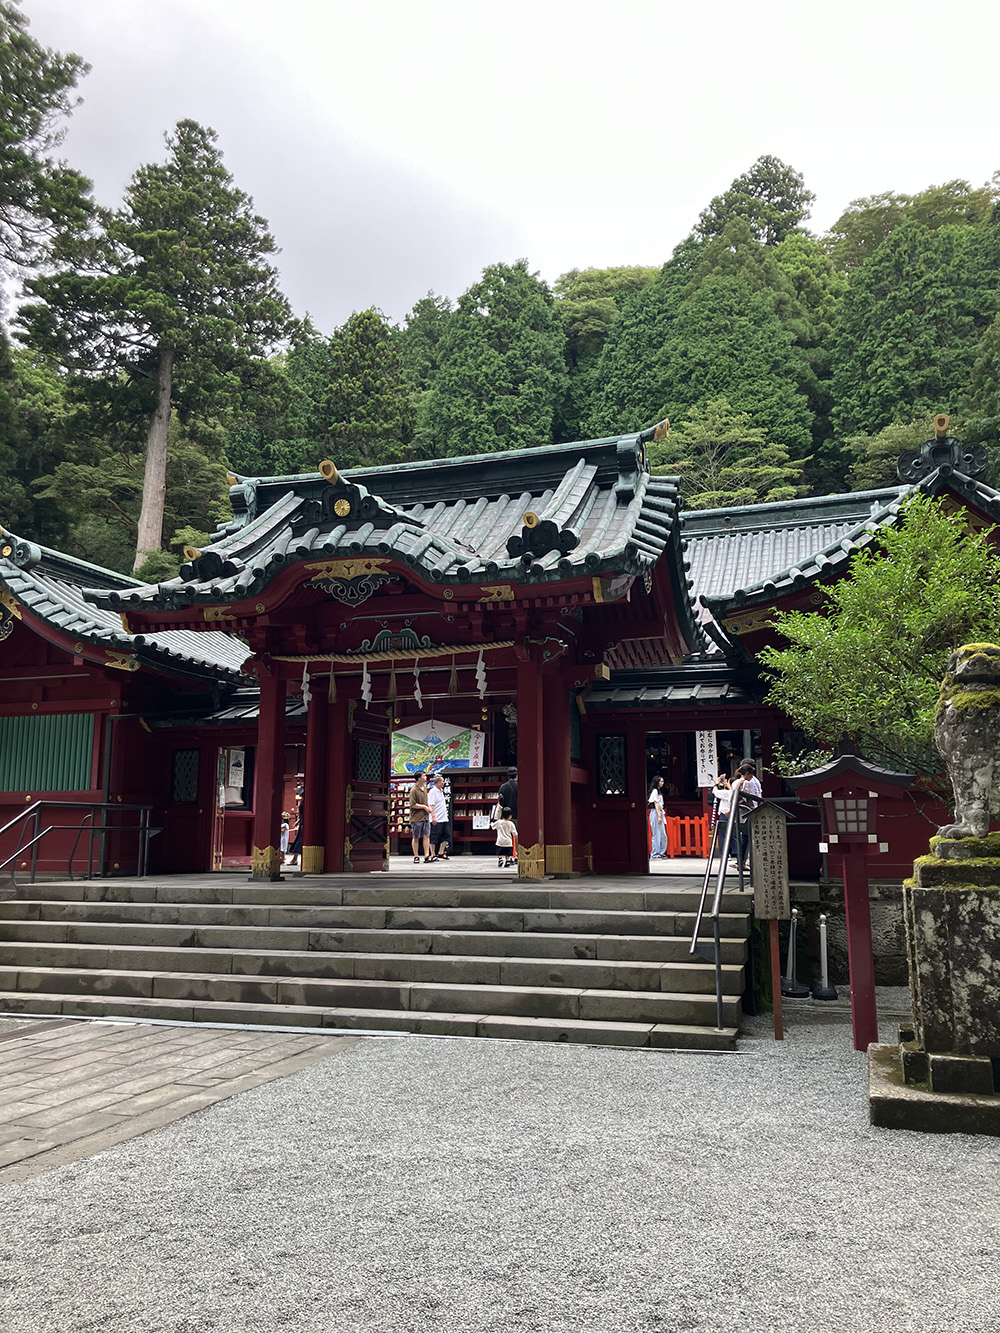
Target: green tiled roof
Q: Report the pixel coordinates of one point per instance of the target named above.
(591, 507)
(693, 685)
(747, 557)
(49, 584)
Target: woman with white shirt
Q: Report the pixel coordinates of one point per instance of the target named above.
(657, 821)
(722, 797)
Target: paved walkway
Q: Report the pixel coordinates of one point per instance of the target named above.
(68, 1089)
(414, 1185)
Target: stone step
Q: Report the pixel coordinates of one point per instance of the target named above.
(527, 1001)
(589, 1032)
(313, 917)
(386, 893)
(609, 974)
(521, 944)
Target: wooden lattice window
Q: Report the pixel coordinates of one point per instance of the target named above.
(184, 777)
(611, 765)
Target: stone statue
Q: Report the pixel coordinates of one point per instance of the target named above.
(967, 732)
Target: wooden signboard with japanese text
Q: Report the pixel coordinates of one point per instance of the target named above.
(708, 760)
(769, 856)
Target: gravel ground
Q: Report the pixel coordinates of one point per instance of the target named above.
(410, 1185)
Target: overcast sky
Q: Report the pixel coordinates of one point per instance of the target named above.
(402, 145)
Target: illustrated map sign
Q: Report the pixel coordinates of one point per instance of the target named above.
(708, 761)
(428, 746)
(769, 852)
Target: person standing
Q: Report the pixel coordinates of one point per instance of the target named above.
(440, 824)
(506, 839)
(508, 794)
(657, 821)
(747, 784)
(722, 799)
(420, 819)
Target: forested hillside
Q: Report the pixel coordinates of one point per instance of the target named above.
(148, 349)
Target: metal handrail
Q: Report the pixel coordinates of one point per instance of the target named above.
(739, 812)
(34, 811)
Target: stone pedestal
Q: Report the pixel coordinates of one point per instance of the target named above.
(950, 1057)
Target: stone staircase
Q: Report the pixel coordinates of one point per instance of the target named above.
(602, 961)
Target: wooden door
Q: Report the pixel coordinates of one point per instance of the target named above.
(619, 830)
(219, 813)
(367, 842)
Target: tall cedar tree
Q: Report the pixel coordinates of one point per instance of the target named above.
(911, 323)
(628, 390)
(502, 370)
(351, 401)
(723, 460)
(726, 340)
(771, 196)
(420, 339)
(41, 199)
(589, 303)
(178, 292)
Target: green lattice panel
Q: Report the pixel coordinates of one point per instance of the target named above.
(369, 761)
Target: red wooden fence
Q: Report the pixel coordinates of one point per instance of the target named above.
(688, 836)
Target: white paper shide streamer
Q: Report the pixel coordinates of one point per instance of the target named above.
(417, 695)
(366, 685)
(307, 693)
(481, 675)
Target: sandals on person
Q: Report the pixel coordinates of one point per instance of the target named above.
(416, 860)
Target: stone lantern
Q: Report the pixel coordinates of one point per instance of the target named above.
(848, 789)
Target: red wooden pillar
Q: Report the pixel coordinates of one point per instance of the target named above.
(269, 780)
(314, 797)
(558, 808)
(637, 791)
(530, 771)
(338, 771)
(861, 965)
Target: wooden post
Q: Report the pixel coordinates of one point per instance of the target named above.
(314, 796)
(775, 951)
(530, 770)
(637, 789)
(269, 780)
(557, 800)
(857, 910)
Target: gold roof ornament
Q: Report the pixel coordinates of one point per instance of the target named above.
(328, 471)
